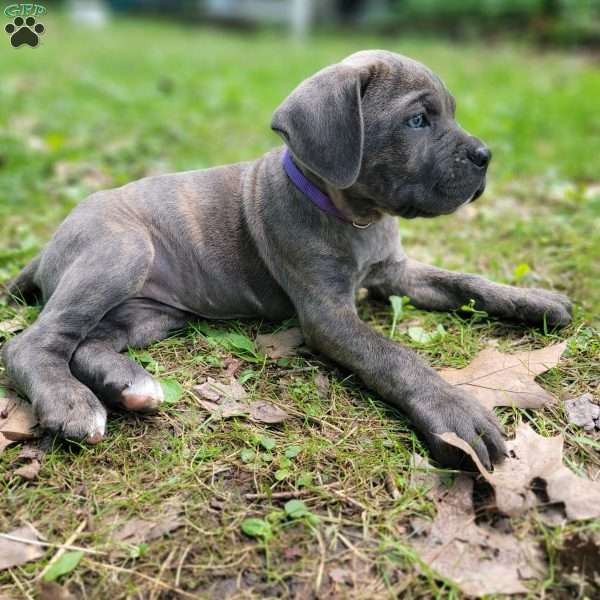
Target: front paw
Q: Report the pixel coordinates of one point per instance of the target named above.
(70, 410)
(449, 410)
(538, 306)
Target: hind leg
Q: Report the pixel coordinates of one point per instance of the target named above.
(85, 290)
(114, 378)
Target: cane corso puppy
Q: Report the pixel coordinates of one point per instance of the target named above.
(295, 232)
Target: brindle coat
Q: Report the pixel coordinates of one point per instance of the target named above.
(131, 264)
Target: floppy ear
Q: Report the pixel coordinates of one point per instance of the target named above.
(321, 122)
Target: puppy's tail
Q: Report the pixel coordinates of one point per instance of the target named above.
(23, 287)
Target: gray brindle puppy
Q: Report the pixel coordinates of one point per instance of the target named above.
(371, 138)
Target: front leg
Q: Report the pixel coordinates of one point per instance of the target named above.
(398, 375)
(437, 289)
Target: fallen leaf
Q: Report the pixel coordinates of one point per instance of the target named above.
(29, 471)
(231, 366)
(13, 553)
(32, 455)
(31, 452)
(478, 558)
(137, 530)
(216, 391)
(50, 590)
(534, 461)
(227, 409)
(583, 412)
(16, 421)
(226, 400)
(265, 412)
(498, 379)
(322, 385)
(280, 344)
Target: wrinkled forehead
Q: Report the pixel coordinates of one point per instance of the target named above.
(400, 77)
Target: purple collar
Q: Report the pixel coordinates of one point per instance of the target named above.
(314, 194)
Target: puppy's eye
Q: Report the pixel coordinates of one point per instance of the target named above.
(417, 121)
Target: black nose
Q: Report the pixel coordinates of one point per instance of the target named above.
(480, 155)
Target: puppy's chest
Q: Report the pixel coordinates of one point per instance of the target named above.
(369, 248)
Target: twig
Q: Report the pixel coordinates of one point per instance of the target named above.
(20, 586)
(165, 564)
(62, 549)
(278, 495)
(180, 565)
(319, 578)
(352, 501)
(352, 547)
(288, 494)
(15, 538)
(390, 486)
(157, 582)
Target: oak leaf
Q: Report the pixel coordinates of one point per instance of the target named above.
(16, 421)
(280, 344)
(498, 379)
(534, 461)
(478, 558)
(14, 552)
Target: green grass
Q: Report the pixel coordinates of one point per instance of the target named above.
(95, 109)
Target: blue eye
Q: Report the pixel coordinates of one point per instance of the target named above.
(417, 121)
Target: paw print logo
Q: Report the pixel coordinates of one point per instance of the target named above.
(24, 31)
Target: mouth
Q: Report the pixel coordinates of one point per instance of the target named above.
(478, 192)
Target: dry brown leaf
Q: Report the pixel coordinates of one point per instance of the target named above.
(498, 379)
(225, 410)
(280, 344)
(50, 590)
(322, 384)
(231, 366)
(137, 530)
(583, 412)
(32, 455)
(227, 400)
(478, 558)
(216, 392)
(13, 553)
(535, 460)
(16, 421)
(29, 471)
(261, 411)
(265, 412)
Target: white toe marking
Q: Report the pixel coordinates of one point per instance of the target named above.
(99, 423)
(146, 387)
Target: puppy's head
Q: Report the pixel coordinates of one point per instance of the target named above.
(381, 126)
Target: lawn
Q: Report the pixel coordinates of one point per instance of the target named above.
(95, 109)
